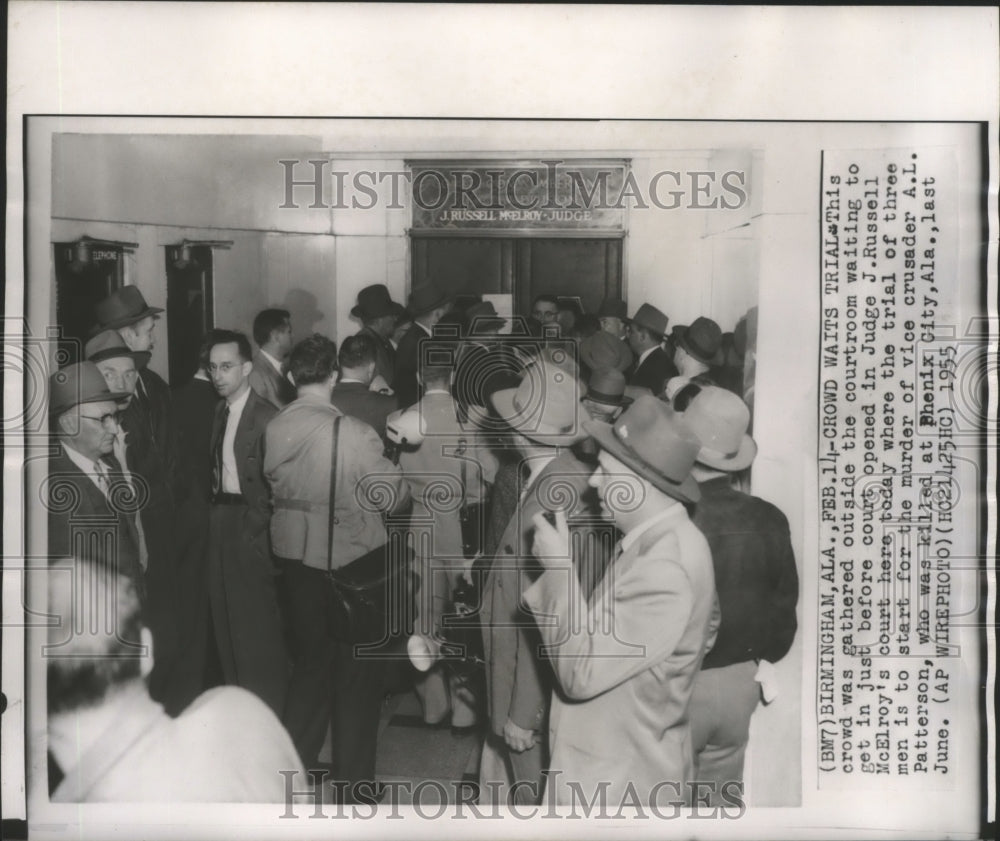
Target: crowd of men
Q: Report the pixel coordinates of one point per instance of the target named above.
(575, 470)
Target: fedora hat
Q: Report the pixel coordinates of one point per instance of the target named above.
(79, 383)
(607, 386)
(650, 318)
(602, 350)
(720, 420)
(374, 302)
(613, 308)
(703, 340)
(121, 308)
(425, 298)
(655, 442)
(546, 406)
(108, 344)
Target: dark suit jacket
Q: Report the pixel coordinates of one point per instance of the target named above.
(194, 410)
(358, 401)
(755, 574)
(155, 411)
(248, 449)
(269, 384)
(654, 371)
(385, 357)
(74, 504)
(407, 359)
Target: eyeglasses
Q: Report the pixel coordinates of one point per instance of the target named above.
(224, 367)
(110, 419)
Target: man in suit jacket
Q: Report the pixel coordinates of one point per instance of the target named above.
(242, 586)
(546, 417)
(163, 528)
(378, 314)
(427, 304)
(653, 367)
(272, 331)
(86, 489)
(758, 586)
(331, 685)
(352, 393)
(620, 715)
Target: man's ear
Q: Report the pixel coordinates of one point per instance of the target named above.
(66, 424)
(247, 368)
(146, 662)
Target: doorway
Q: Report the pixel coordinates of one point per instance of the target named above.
(86, 273)
(190, 307)
(587, 268)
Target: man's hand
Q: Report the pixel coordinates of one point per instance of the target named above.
(551, 544)
(518, 739)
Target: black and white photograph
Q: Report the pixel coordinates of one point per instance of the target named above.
(392, 468)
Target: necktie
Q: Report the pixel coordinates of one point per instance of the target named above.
(217, 455)
(102, 479)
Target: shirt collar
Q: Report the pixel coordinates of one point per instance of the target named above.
(644, 354)
(80, 460)
(236, 407)
(668, 514)
(535, 466)
(437, 391)
(274, 362)
(425, 328)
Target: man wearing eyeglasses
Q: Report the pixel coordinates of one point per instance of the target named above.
(177, 676)
(242, 576)
(89, 503)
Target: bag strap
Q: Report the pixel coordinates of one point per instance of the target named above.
(333, 491)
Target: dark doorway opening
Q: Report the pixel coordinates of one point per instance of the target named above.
(86, 273)
(583, 268)
(190, 307)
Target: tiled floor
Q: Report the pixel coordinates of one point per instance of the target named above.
(410, 750)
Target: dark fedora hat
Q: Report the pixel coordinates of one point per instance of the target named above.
(703, 340)
(613, 308)
(121, 308)
(425, 298)
(79, 383)
(655, 442)
(108, 344)
(651, 319)
(607, 386)
(602, 350)
(374, 302)
(720, 419)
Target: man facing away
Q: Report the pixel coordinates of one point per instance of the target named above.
(625, 670)
(448, 468)
(758, 587)
(352, 394)
(272, 331)
(427, 304)
(332, 684)
(109, 741)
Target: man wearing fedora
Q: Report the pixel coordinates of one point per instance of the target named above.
(698, 351)
(613, 315)
(653, 367)
(272, 331)
(757, 584)
(427, 303)
(604, 351)
(86, 490)
(546, 417)
(126, 311)
(176, 678)
(625, 661)
(378, 314)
